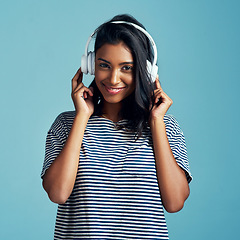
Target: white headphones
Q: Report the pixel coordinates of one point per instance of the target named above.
(88, 59)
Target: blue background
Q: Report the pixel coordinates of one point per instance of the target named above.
(198, 46)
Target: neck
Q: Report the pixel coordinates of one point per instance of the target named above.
(111, 111)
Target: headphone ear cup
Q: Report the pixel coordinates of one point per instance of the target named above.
(84, 61)
(152, 71)
(88, 63)
(91, 63)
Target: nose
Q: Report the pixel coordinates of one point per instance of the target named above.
(114, 77)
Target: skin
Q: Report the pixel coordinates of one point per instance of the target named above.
(114, 78)
(114, 73)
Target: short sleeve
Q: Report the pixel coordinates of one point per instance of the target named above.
(178, 144)
(55, 140)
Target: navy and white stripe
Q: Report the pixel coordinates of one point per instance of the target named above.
(116, 194)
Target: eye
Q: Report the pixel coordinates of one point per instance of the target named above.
(127, 68)
(104, 65)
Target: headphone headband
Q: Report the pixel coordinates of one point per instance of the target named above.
(88, 59)
(146, 33)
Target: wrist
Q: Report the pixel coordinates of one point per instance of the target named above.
(82, 117)
(159, 122)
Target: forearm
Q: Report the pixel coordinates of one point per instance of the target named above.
(59, 179)
(172, 181)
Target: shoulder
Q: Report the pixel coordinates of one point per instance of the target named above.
(170, 120)
(172, 125)
(66, 116)
(63, 121)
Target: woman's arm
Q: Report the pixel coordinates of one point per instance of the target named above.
(172, 180)
(59, 179)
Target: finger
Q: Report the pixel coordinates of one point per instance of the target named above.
(78, 87)
(158, 96)
(77, 79)
(164, 97)
(157, 91)
(90, 94)
(83, 91)
(91, 89)
(87, 93)
(157, 83)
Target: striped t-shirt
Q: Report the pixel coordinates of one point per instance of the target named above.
(116, 194)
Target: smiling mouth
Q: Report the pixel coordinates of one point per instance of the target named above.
(113, 90)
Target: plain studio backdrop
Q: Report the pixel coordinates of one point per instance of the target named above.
(198, 56)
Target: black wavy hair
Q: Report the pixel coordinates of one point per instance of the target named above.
(137, 106)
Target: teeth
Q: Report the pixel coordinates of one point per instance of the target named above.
(114, 89)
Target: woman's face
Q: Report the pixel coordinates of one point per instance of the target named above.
(114, 72)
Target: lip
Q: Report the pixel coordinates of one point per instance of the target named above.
(112, 90)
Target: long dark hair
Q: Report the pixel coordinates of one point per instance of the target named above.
(137, 106)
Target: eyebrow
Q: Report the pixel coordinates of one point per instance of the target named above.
(101, 59)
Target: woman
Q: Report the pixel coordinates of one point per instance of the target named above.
(115, 162)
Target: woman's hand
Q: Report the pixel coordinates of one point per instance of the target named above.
(59, 179)
(161, 104)
(172, 180)
(81, 95)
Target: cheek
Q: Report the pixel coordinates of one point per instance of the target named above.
(97, 83)
(132, 89)
(131, 83)
(98, 78)
(100, 75)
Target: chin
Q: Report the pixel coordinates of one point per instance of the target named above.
(112, 100)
